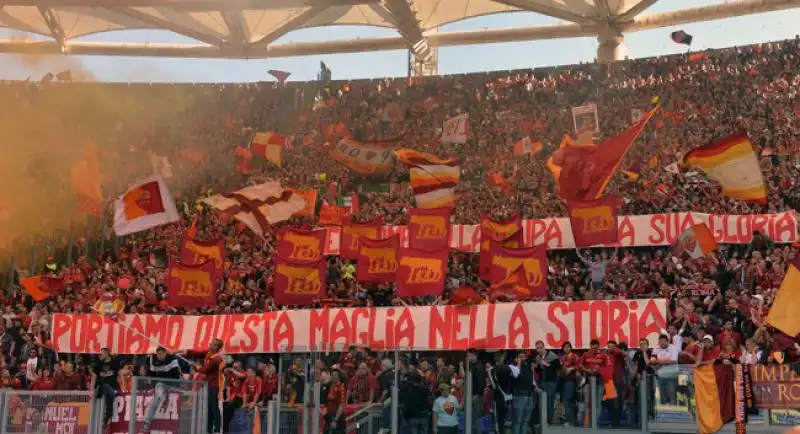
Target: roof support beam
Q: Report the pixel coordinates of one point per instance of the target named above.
(409, 26)
(52, 23)
(706, 13)
(290, 25)
(526, 5)
(635, 10)
(234, 20)
(189, 5)
(168, 25)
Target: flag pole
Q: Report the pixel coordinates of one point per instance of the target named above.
(137, 332)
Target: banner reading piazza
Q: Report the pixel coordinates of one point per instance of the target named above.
(486, 326)
(642, 230)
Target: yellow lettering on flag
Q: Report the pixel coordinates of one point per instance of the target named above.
(429, 227)
(193, 283)
(422, 270)
(595, 219)
(304, 247)
(202, 253)
(301, 280)
(381, 260)
(359, 231)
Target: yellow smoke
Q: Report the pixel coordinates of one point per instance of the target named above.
(43, 129)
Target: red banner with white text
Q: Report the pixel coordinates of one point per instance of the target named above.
(633, 231)
(422, 328)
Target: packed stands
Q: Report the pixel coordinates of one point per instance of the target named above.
(702, 96)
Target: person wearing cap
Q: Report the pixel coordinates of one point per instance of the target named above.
(710, 352)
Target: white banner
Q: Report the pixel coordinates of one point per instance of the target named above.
(634, 231)
(485, 326)
(455, 129)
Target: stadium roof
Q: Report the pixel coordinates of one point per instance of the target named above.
(249, 28)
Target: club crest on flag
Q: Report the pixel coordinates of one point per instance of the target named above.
(301, 281)
(304, 246)
(594, 222)
(377, 260)
(142, 201)
(192, 285)
(381, 260)
(429, 229)
(422, 270)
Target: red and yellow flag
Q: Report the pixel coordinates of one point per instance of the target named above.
(299, 284)
(582, 172)
(270, 146)
(714, 396)
(300, 245)
(332, 215)
(192, 286)
(421, 272)
(732, 162)
(194, 252)
(143, 200)
(593, 222)
(352, 231)
(501, 233)
(378, 259)
(527, 267)
(429, 229)
(433, 179)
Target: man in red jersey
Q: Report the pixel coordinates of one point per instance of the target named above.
(211, 369)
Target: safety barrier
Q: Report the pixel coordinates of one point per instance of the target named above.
(663, 404)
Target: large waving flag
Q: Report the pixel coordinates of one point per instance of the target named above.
(433, 179)
(145, 205)
(784, 314)
(731, 162)
(270, 146)
(259, 206)
(583, 171)
(85, 177)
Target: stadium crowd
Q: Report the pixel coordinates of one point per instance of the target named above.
(703, 96)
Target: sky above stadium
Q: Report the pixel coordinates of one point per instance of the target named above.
(452, 60)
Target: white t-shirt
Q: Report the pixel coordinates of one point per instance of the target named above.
(669, 353)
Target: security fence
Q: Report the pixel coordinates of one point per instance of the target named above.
(304, 405)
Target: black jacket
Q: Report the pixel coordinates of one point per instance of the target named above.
(169, 368)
